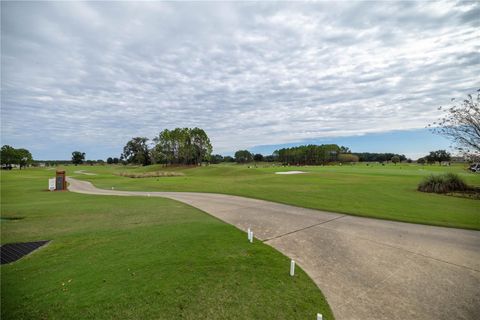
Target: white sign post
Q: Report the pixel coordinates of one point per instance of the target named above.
(51, 184)
(292, 268)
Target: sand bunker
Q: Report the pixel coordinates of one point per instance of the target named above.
(290, 172)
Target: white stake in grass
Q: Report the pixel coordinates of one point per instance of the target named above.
(319, 316)
(292, 268)
(250, 235)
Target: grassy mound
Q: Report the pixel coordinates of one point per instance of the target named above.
(444, 183)
(152, 174)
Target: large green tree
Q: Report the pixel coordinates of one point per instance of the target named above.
(78, 157)
(24, 157)
(8, 155)
(243, 156)
(395, 159)
(201, 146)
(438, 156)
(136, 151)
(185, 146)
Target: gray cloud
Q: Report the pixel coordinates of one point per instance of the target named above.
(248, 73)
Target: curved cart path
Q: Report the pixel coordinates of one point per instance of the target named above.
(367, 268)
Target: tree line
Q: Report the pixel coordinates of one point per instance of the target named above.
(379, 157)
(180, 146)
(311, 155)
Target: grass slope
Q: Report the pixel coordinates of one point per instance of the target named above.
(138, 258)
(385, 192)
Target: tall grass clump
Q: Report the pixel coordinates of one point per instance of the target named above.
(444, 183)
(153, 174)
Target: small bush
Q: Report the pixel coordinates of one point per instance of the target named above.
(444, 183)
(151, 174)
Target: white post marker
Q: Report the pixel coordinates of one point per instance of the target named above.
(248, 234)
(292, 268)
(319, 316)
(251, 236)
(51, 184)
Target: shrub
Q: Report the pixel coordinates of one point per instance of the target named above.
(444, 183)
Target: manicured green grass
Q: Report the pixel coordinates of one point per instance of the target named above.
(138, 258)
(385, 192)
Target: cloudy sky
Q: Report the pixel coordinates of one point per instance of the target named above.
(90, 76)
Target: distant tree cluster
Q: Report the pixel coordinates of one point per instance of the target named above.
(435, 156)
(217, 158)
(111, 160)
(185, 146)
(310, 154)
(380, 157)
(77, 158)
(243, 156)
(302, 155)
(10, 156)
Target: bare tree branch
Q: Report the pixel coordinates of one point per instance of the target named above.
(461, 124)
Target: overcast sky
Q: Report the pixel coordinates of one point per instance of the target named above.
(90, 76)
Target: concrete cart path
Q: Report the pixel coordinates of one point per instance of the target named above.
(367, 268)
